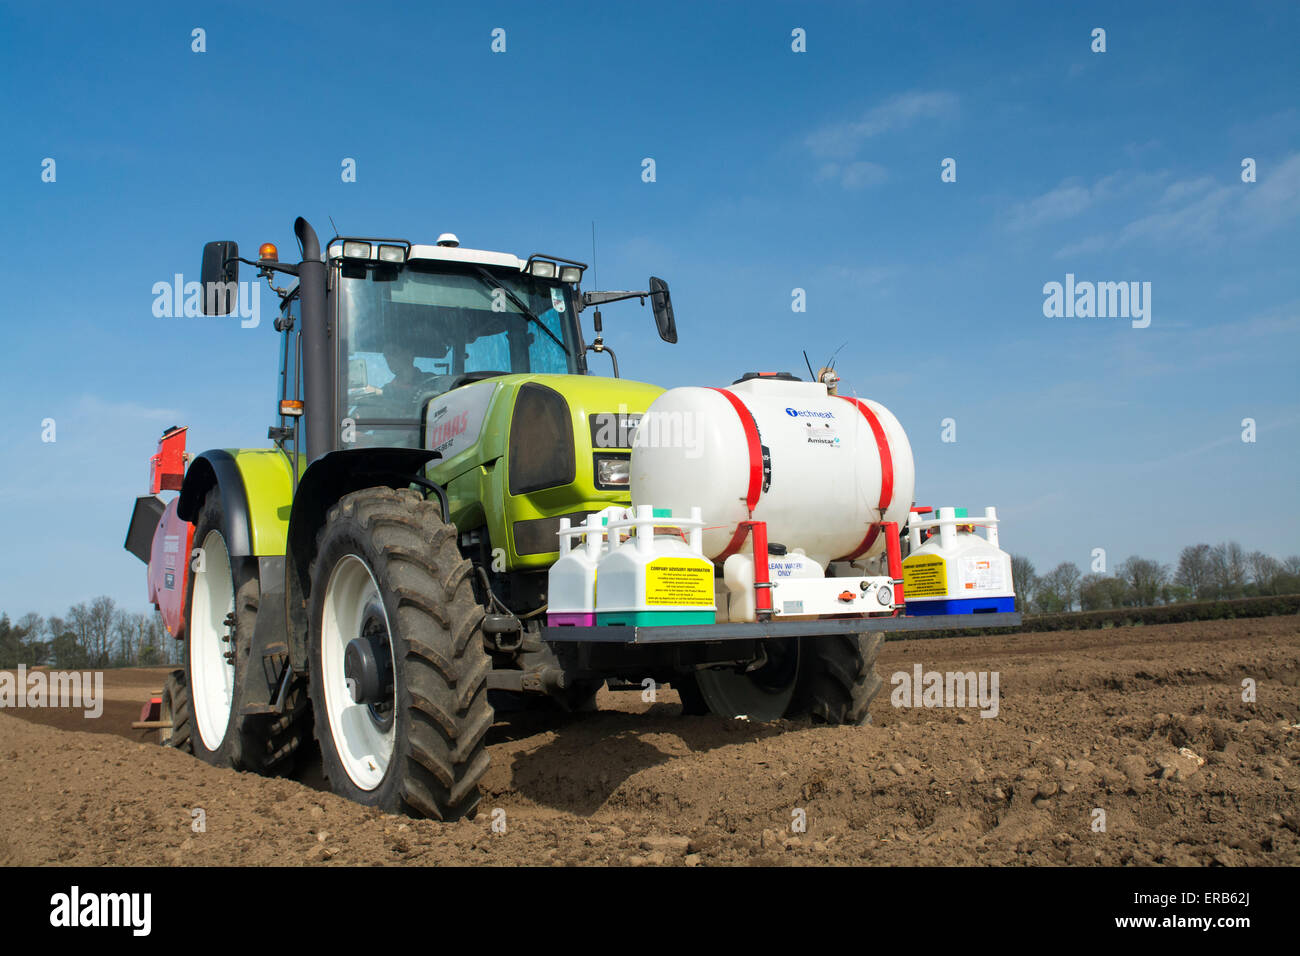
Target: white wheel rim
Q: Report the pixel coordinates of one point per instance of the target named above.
(212, 676)
(364, 748)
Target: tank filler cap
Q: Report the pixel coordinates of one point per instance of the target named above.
(768, 376)
(449, 240)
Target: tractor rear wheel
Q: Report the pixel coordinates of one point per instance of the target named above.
(831, 679)
(222, 604)
(175, 709)
(398, 671)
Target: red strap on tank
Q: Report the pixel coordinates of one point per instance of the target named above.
(755, 469)
(886, 472)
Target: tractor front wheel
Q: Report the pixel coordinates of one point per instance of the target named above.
(398, 671)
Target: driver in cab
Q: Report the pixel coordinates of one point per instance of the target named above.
(399, 396)
(402, 390)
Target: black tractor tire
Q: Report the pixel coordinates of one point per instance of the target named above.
(258, 744)
(175, 707)
(440, 711)
(837, 678)
(829, 679)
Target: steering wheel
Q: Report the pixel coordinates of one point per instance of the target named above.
(393, 400)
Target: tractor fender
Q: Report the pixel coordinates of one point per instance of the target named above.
(326, 480)
(256, 489)
(218, 468)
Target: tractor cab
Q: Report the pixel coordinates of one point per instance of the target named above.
(382, 327)
(410, 331)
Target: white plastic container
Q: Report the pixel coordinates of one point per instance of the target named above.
(957, 571)
(652, 578)
(571, 580)
(738, 580)
(816, 467)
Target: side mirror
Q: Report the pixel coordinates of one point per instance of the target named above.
(662, 304)
(220, 278)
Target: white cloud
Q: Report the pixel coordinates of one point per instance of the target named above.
(855, 175)
(1274, 200)
(1233, 438)
(1191, 212)
(1084, 247)
(841, 140)
(93, 407)
(1072, 198)
(1063, 202)
(861, 276)
(1186, 189)
(1200, 209)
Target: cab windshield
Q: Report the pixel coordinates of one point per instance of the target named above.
(410, 334)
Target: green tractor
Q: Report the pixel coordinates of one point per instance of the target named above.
(381, 570)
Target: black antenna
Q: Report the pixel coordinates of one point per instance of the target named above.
(812, 376)
(593, 255)
(830, 363)
(336, 228)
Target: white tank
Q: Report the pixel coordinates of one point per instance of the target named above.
(816, 467)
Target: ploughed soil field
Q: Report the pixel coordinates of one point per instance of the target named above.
(1144, 725)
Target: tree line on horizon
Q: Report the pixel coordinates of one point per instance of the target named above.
(98, 634)
(94, 634)
(1203, 572)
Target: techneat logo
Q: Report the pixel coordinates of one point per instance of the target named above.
(805, 413)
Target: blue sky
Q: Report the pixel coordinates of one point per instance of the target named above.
(775, 170)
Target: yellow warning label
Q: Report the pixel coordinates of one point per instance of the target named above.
(679, 581)
(925, 575)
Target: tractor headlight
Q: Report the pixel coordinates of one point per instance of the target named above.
(392, 254)
(613, 472)
(542, 269)
(356, 250)
(570, 274)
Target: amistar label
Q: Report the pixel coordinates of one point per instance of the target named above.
(925, 575)
(679, 581)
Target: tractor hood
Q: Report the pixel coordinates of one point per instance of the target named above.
(549, 446)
